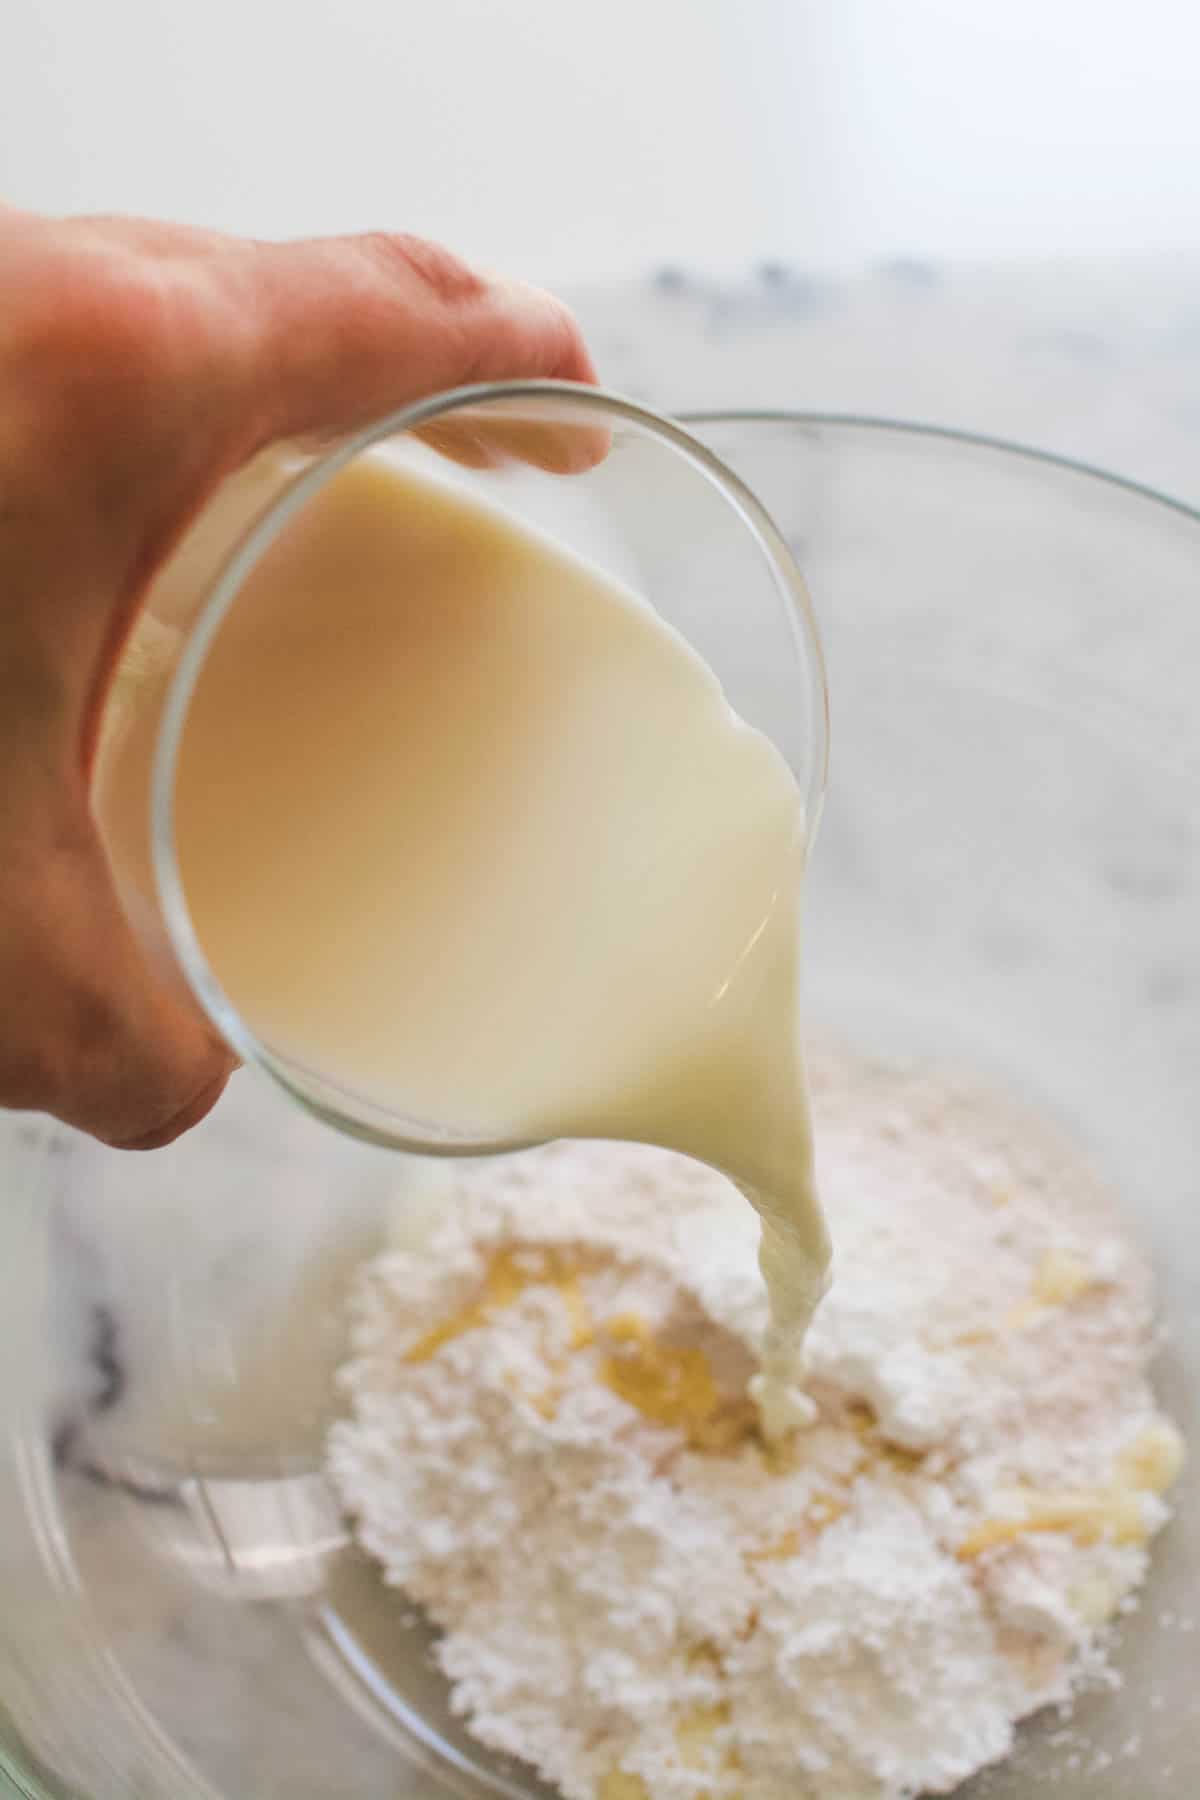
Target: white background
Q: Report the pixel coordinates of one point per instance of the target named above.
(569, 140)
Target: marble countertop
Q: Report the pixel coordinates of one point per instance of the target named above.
(1098, 363)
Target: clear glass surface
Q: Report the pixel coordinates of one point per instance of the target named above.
(1007, 879)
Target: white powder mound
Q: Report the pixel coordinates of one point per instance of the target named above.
(550, 1447)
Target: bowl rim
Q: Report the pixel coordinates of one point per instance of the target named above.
(952, 434)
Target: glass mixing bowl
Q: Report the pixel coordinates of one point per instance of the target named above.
(1008, 880)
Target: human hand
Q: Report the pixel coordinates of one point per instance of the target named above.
(140, 364)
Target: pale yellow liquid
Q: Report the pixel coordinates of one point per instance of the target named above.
(466, 828)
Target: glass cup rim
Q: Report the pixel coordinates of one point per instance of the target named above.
(317, 1095)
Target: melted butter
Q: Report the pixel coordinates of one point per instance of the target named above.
(824, 1510)
(696, 1731)
(1060, 1279)
(673, 1385)
(1095, 1600)
(466, 828)
(617, 1785)
(1154, 1461)
(545, 1403)
(876, 1448)
(510, 1273)
(696, 1735)
(583, 1331)
(1088, 1518)
(1114, 1514)
(782, 1550)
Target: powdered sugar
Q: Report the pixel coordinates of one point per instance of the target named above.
(550, 1447)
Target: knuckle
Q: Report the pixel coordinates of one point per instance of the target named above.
(446, 277)
(565, 337)
(534, 333)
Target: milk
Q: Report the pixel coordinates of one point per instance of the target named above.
(465, 828)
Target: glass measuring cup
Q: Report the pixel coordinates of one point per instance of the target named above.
(631, 492)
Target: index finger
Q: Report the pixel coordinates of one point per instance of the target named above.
(342, 332)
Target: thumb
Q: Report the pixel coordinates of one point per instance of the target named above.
(104, 1045)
